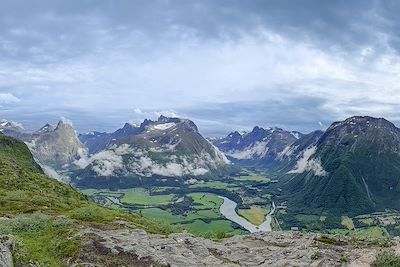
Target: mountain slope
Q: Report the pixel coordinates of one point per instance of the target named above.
(354, 168)
(55, 147)
(168, 147)
(260, 146)
(24, 187)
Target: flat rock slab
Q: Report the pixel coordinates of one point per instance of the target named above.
(261, 249)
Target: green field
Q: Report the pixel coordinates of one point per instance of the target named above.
(214, 185)
(140, 196)
(253, 178)
(206, 201)
(199, 226)
(362, 232)
(161, 215)
(255, 215)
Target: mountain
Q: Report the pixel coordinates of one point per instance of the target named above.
(289, 156)
(13, 129)
(353, 168)
(97, 141)
(261, 146)
(56, 146)
(168, 147)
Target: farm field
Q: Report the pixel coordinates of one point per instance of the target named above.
(255, 215)
(140, 196)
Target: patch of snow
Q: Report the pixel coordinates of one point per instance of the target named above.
(164, 126)
(295, 135)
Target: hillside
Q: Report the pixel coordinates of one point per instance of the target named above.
(43, 215)
(353, 168)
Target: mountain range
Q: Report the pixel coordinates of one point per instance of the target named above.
(155, 150)
(165, 148)
(353, 167)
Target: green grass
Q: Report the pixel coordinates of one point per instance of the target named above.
(44, 214)
(199, 226)
(253, 178)
(140, 196)
(162, 215)
(348, 222)
(387, 259)
(43, 239)
(255, 215)
(206, 201)
(362, 232)
(368, 221)
(214, 185)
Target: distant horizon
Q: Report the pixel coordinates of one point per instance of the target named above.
(66, 120)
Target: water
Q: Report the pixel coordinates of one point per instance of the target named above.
(227, 209)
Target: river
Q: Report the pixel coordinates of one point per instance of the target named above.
(228, 210)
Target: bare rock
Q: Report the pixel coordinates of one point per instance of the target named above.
(6, 245)
(267, 249)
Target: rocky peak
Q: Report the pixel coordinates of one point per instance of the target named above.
(46, 128)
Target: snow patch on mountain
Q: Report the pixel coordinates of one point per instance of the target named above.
(305, 163)
(164, 126)
(7, 123)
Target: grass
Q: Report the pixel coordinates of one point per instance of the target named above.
(255, 215)
(206, 201)
(214, 185)
(44, 214)
(367, 221)
(140, 196)
(160, 214)
(43, 239)
(347, 222)
(253, 178)
(387, 259)
(199, 226)
(369, 232)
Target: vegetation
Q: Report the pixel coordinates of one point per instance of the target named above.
(387, 259)
(44, 214)
(255, 215)
(142, 197)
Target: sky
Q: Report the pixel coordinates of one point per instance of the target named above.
(227, 65)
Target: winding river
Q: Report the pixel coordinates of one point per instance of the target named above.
(228, 210)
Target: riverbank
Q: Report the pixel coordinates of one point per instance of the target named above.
(228, 210)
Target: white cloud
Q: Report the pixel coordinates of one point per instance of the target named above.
(7, 98)
(110, 162)
(306, 164)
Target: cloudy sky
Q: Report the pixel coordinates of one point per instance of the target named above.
(224, 64)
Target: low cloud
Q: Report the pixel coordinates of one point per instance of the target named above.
(306, 163)
(111, 162)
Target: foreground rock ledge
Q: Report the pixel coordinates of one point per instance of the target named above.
(137, 248)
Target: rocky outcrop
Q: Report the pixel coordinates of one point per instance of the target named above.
(6, 244)
(136, 248)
